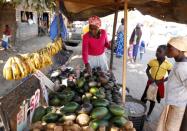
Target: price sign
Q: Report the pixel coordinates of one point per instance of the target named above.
(22, 116)
(34, 102)
(45, 82)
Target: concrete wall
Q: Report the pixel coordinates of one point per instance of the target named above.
(7, 17)
(24, 30)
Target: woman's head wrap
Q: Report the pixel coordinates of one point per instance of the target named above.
(95, 20)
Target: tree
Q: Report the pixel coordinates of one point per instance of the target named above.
(38, 5)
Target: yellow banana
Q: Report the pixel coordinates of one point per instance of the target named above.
(16, 71)
(47, 60)
(36, 60)
(20, 66)
(7, 70)
(30, 65)
(59, 43)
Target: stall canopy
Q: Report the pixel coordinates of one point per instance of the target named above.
(169, 10)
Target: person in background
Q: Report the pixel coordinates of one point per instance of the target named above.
(156, 71)
(30, 20)
(85, 29)
(130, 53)
(120, 40)
(142, 49)
(176, 87)
(6, 36)
(135, 39)
(93, 47)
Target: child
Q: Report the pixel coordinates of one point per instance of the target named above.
(156, 71)
(176, 87)
(6, 36)
(142, 49)
(130, 53)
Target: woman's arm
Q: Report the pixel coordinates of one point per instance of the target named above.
(167, 76)
(85, 50)
(107, 43)
(85, 54)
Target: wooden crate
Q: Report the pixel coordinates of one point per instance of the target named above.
(11, 103)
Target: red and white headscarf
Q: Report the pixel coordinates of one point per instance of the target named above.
(95, 20)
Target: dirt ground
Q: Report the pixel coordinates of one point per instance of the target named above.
(136, 79)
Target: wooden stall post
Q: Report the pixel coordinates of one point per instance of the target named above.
(113, 36)
(58, 16)
(125, 51)
(58, 21)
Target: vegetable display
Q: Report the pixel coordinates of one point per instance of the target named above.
(87, 103)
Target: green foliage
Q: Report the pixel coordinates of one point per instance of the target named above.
(38, 5)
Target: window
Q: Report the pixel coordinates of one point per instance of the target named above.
(25, 15)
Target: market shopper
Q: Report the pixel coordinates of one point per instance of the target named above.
(94, 44)
(120, 40)
(6, 37)
(130, 53)
(142, 49)
(135, 40)
(85, 29)
(176, 87)
(157, 70)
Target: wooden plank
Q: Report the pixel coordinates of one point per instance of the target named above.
(125, 51)
(113, 37)
(12, 103)
(57, 14)
(91, 2)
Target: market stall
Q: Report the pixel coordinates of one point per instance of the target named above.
(77, 101)
(83, 102)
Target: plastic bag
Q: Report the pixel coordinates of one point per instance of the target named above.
(152, 92)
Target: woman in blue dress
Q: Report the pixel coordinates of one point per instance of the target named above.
(135, 39)
(120, 40)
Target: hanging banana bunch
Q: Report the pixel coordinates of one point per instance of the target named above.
(28, 62)
(20, 66)
(7, 70)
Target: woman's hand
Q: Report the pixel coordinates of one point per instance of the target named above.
(88, 68)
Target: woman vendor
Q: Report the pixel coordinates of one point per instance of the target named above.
(94, 44)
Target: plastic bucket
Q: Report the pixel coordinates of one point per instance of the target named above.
(136, 112)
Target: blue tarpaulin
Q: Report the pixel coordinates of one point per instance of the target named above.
(54, 28)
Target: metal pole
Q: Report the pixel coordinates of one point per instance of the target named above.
(113, 37)
(125, 51)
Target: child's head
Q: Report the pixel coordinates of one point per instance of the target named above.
(122, 21)
(142, 44)
(161, 52)
(177, 47)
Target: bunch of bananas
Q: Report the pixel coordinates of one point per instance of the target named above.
(16, 68)
(20, 66)
(54, 48)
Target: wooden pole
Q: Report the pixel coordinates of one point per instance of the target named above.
(58, 15)
(113, 37)
(125, 51)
